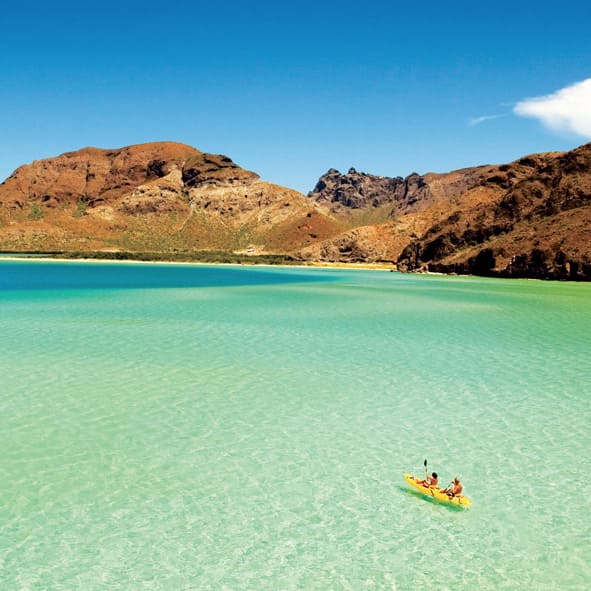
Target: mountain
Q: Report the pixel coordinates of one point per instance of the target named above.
(157, 197)
(528, 218)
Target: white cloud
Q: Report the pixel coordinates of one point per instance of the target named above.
(483, 118)
(566, 110)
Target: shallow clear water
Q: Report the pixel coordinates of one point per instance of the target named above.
(194, 427)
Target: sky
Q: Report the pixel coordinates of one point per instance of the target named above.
(291, 89)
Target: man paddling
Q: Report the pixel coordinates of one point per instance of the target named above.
(455, 489)
(432, 480)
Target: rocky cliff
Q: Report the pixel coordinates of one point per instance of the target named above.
(395, 195)
(530, 218)
(357, 190)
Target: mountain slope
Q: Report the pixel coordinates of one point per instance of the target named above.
(529, 218)
(161, 196)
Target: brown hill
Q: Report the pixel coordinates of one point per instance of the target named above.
(528, 218)
(156, 197)
(525, 219)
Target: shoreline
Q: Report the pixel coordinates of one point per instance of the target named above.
(240, 260)
(58, 257)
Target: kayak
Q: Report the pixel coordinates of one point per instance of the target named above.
(437, 493)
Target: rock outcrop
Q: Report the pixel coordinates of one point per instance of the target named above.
(359, 190)
(362, 191)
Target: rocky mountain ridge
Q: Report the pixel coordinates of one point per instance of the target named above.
(356, 190)
(528, 218)
(359, 190)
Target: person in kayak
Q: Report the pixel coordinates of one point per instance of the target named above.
(432, 480)
(455, 489)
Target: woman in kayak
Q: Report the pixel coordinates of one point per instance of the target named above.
(430, 480)
(455, 489)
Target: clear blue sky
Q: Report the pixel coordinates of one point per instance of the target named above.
(290, 89)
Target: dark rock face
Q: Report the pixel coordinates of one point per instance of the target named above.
(536, 264)
(156, 169)
(545, 264)
(358, 190)
(532, 223)
(213, 169)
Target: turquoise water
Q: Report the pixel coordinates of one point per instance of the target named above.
(227, 428)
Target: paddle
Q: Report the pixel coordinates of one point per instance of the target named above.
(426, 481)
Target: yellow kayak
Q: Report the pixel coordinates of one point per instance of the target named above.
(437, 493)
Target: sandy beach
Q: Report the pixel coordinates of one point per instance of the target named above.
(307, 265)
